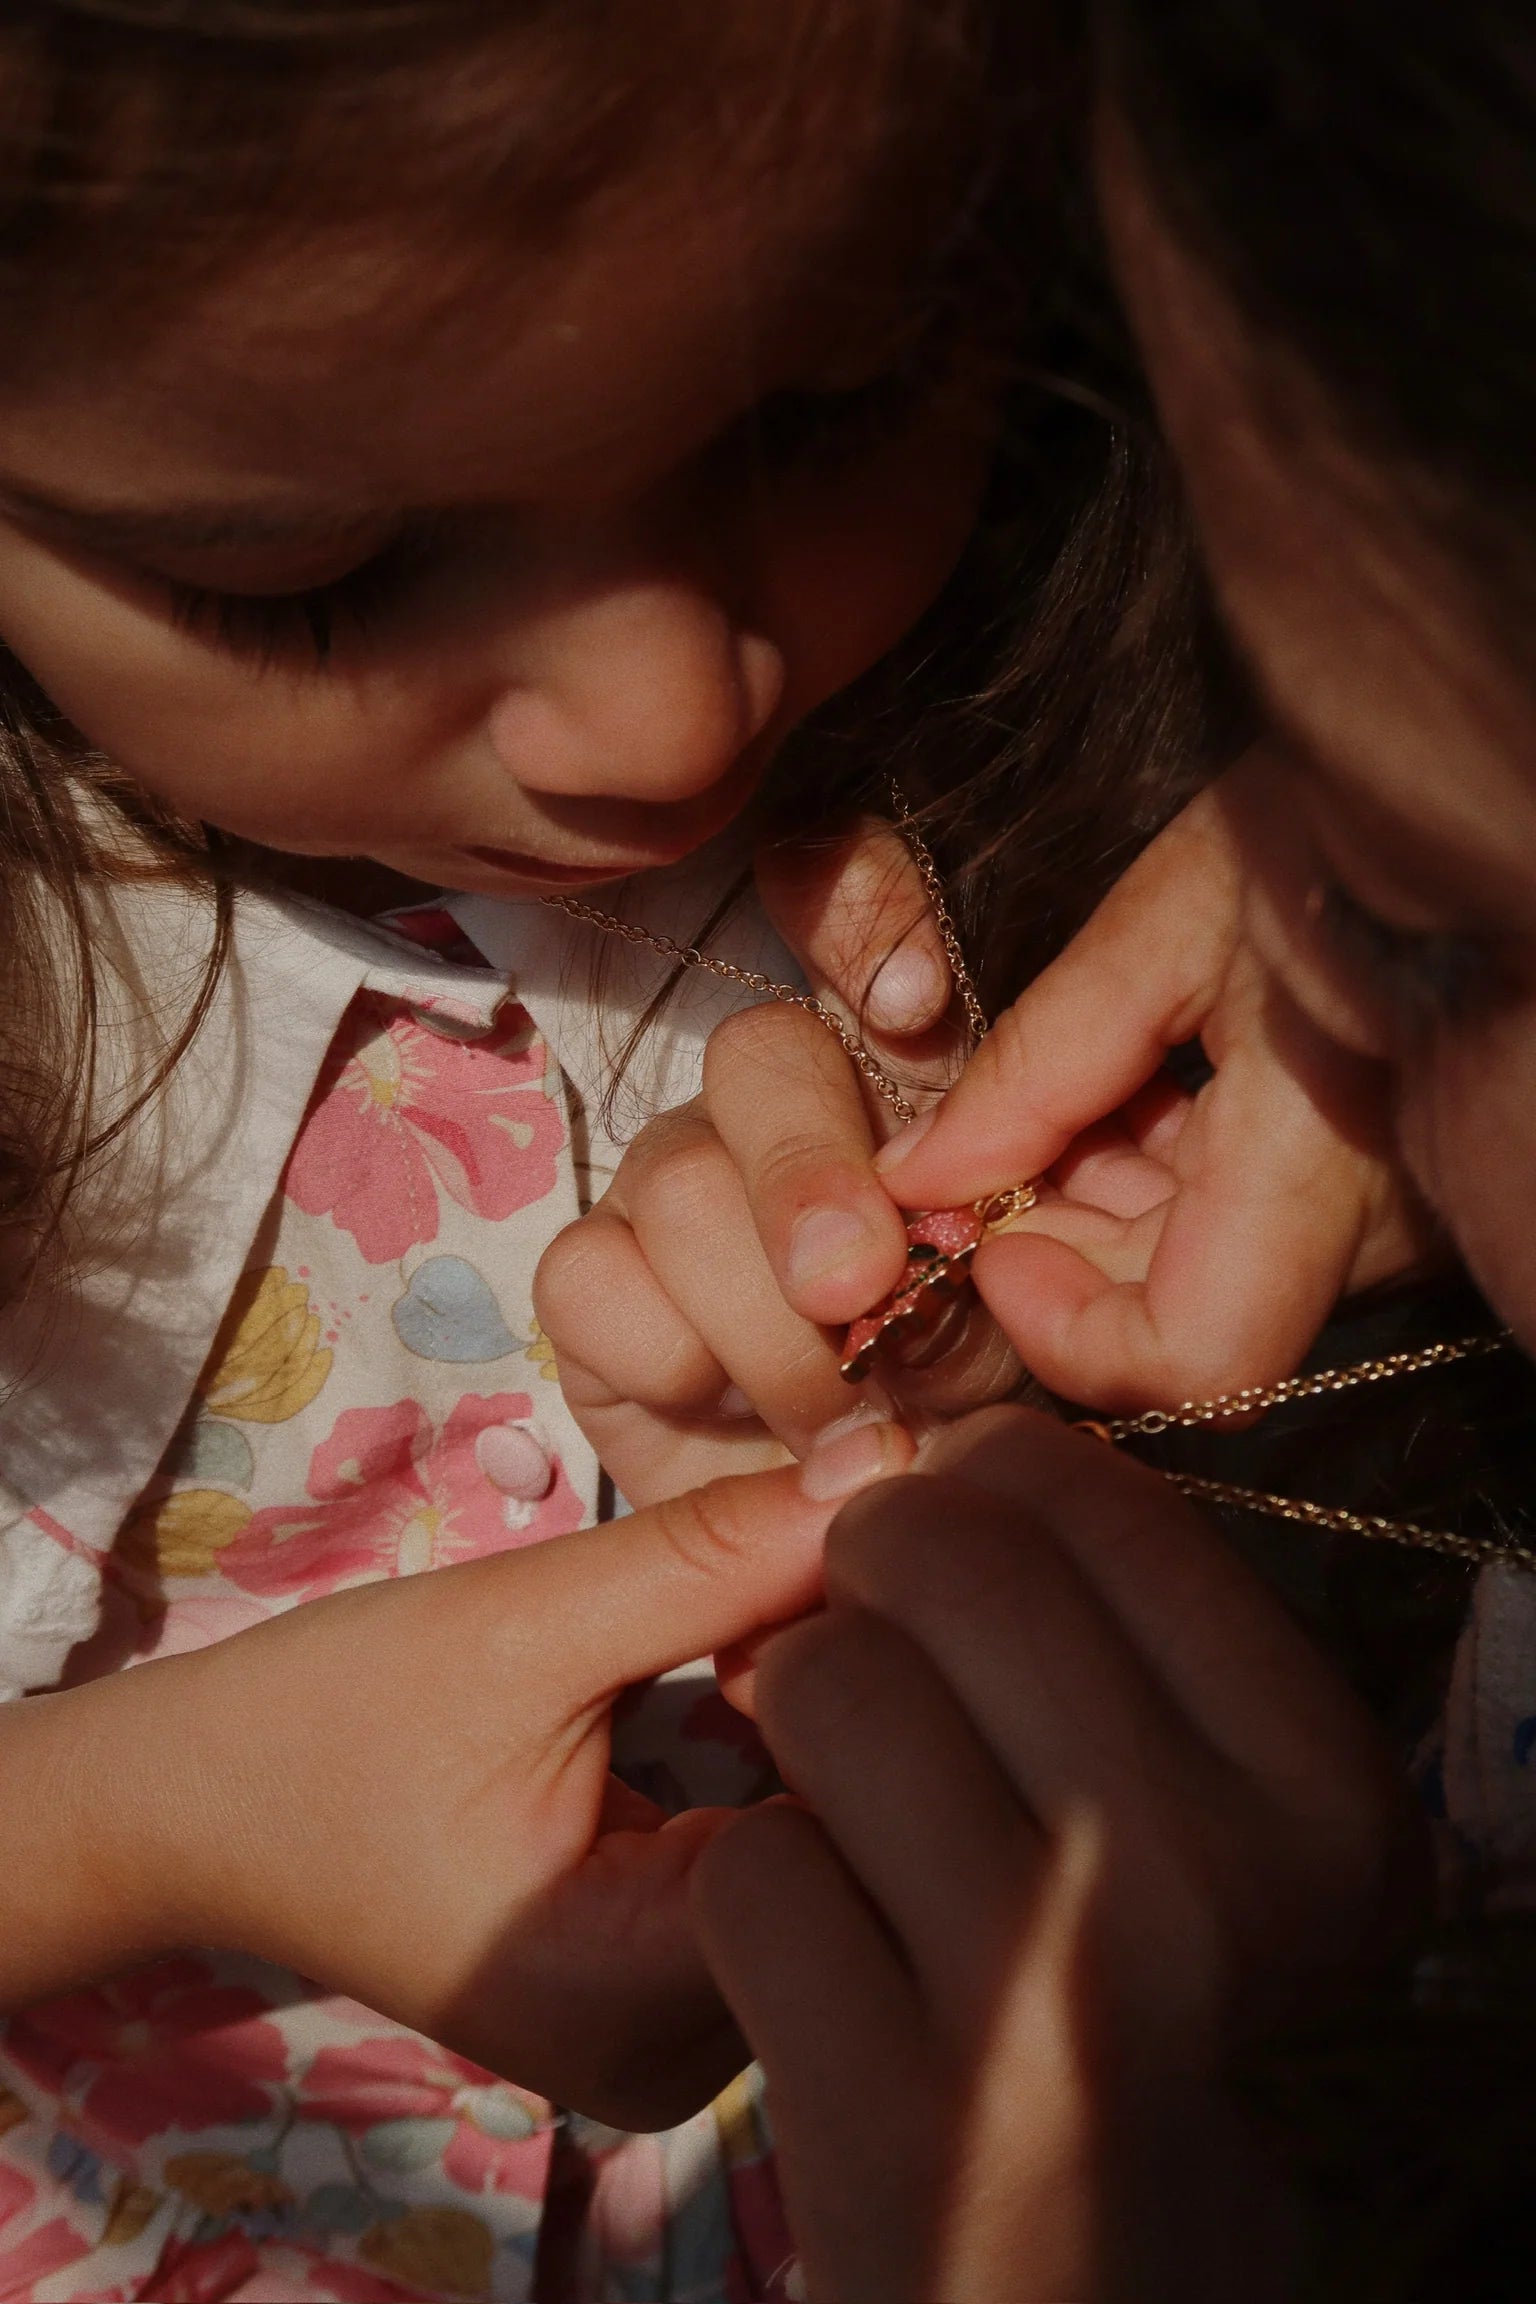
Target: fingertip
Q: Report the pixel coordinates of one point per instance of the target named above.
(1037, 1289)
(839, 1258)
(865, 1446)
(911, 990)
(894, 1155)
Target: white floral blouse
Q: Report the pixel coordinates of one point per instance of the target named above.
(313, 1363)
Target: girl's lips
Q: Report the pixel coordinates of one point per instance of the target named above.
(569, 875)
(539, 868)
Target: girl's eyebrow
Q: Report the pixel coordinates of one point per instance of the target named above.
(184, 527)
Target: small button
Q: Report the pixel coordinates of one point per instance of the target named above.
(516, 1461)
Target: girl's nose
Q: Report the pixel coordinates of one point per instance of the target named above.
(647, 690)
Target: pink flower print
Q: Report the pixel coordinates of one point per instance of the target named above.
(394, 1493)
(42, 2254)
(171, 2048)
(491, 2137)
(401, 1111)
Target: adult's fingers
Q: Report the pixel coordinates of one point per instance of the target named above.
(788, 1107)
(876, 1742)
(602, 1987)
(852, 907)
(828, 2008)
(1091, 1030)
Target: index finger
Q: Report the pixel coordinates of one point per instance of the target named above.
(788, 1106)
(1090, 1031)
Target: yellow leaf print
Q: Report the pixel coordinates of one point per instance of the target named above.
(541, 1352)
(436, 2248)
(267, 1360)
(132, 2207)
(181, 1534)
(221, 2185)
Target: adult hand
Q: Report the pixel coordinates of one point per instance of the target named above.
(403, 1792)
(1076, 1806)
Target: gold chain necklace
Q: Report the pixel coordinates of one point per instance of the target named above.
(942, 1242)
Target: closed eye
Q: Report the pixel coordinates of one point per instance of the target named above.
(1431, 976)
(271, 626)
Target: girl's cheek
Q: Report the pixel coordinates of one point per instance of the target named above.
(848, 561)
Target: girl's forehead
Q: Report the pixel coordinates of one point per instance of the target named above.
(370, 361)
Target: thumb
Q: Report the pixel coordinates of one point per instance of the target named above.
(697, 1572)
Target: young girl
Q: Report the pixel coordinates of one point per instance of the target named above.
(1089, 1816)
(471, 440)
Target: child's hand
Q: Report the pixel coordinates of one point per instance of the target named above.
(679, 1351)
(1188, 1244)
(1077, 1805)
(403, 1791)
(852, 907)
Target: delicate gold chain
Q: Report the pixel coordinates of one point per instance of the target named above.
(689, 956)
(854, 1048)
(933, 888)
(1338, 1520)
(1253, 1399)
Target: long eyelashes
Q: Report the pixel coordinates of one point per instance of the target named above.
(822, 430)
(1428, 976)
(273, 627)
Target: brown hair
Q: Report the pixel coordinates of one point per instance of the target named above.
(1048, 708)
(1360, 178)
(145, 145)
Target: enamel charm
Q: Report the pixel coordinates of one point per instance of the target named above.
(940, 1245)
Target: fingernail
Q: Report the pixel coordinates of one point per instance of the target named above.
(849, 1454)
(910, 990)
(825, 1241)
(734, 1402)
(892, 1155)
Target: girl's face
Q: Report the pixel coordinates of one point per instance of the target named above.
(513, 582)
(1391, 815)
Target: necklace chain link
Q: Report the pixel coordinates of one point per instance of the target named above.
(1252, 1399)
(1255, 1399)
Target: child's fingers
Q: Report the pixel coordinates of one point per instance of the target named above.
(852, 908)
(878, 1745)
(1188, 1301)
(685, 1198)
(1091, 1031)
(789, 1108)
(617, 1334)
